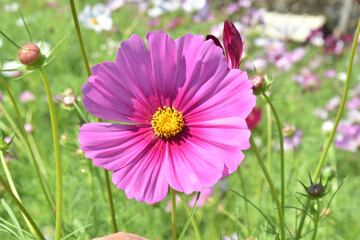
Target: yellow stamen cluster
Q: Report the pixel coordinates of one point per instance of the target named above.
(167, 122)
(94, 21)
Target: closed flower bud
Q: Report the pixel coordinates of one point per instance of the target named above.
(233, 45)
(328, 173)
(257, 81)
(69, 100)
(29, 54)
(316, 190)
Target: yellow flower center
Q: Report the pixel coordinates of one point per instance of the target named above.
(94, 21)
(167, 122)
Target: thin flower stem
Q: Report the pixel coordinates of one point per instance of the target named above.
(337, 120)
(245, 195)
(57, 156)
(88, 71)
(190, 217)
(43, 183)
(269, 136)
(193, 222)
(13, 189)
(282, 170)
(272, 188)
(316, 220)
(79, 37)
(173, 213)
(92, 193)
(22, 208)
(111, 204)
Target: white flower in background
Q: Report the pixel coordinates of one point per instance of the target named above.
(163, 6)
(342, 76)
(191, 5)
(44, 48)
(321, 113)
(1, 42)
(96, 17)
(8, 66)
(12, 7)
(327, 126)
(115, 4)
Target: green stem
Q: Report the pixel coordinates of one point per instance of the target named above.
(13, 189)
(43, 183)
(57, 156)
(337, 120)
(193, 222)
(111, 204)
(272, 188)
(282, 170)
(190, 217)
(173, 213)
(22, 208)
(245, 195)
(316, 220)
(79, 37)
(269, 137)
(92, 193)
(88, 71)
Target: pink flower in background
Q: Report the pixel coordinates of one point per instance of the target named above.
(203, 198)
(27, 96)
(254, 118)
(330, 73)
(292, 137)
(347, 137)
(189, 111)
(353, 103)
(307, 80)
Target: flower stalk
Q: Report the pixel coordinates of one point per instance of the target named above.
(88, 72)
(43, 183)
(57, 156)
(22, 208)
(272, 188)
(173, 213)
(336, 123)
(282, 170)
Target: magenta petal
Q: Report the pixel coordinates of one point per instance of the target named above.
(144, 178)
(205, 65)
(192, 166)
(233, 97)
(113, 145)
(163, 55)
(110, 99)
(229, 136)
(233, 45)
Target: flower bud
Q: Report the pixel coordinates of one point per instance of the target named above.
(69, 100)
(29, 54)
(316, 190)
(328, 173)
(257, 81)
(233, 45)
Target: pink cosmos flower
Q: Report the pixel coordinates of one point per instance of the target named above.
(189, 111)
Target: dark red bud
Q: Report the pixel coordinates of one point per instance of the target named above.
(233, 45)
(257, 81)
(315, 190)
(29, 54)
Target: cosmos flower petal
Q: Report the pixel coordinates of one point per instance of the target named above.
(163, 55)
(189, 164)
(228, 136)
(206, 67)
(113, 145)
(144, 178)
(135, 70)
(234, 92)
(111, 99)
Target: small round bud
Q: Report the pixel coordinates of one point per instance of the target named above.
(315, 190)
(69, 100)
(257, 81)
(328, 173)
(29, 54)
